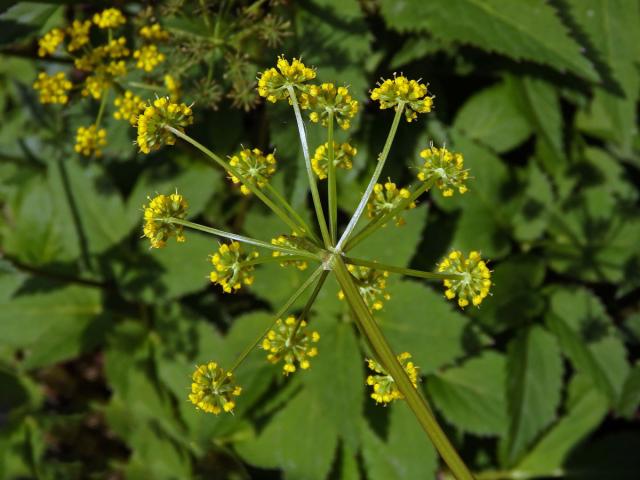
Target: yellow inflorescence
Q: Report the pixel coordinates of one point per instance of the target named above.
(254, 166)
(283, 344)
(109, 18)
(154, 32)
(342, 158)
(475, 278)
(173, 86)
(152, 133)
(446, 168)
(231, 270)
(400, 90)
(79, 34)
(273, 82)
(290, 242)
(326, 98)
(148, 57)
(50, 42)
(129, 107)
(386, 198)
(213, 389)
(156, 226)
(384, 386)
(372, 285)
(116, 48)
(54, 88)
(90, 140)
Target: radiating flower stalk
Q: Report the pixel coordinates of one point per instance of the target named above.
(288, 340)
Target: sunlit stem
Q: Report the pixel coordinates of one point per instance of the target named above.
(331, 179)
(283, 201)
(278, 315)
(374, 179)
(382, 350)
(317, 204)
(253, 188)
(240, 238)
(146, 86)
(279, 258)
(307, 308)
(403, 271)
(103, 103)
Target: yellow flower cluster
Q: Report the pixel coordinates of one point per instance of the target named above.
(326, 98)
(156, 226)
(102, 78)
(152, 133)
(79, 34)
(401, 91)
(90, 140)
(386, 198)
(154, 32)
(342, 158)
(273, 83)
(474, 279)
(109, 18)
(446, 168)
(253, 165)
(173, 86)
(53, 88)
(285, 342)
(213, 389)
(385, 389)
(148, 57)
(50, 42)
(290, 242)
(231, 268)
(129, 107)
(371, 284)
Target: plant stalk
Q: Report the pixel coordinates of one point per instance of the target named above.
(404, 271)
(331, 181)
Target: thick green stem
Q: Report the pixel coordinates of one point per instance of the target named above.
(374, 179)
(312, 298)
(404, 271)
(315, 195)
(283, 201)
(383, 352)
(331, 180)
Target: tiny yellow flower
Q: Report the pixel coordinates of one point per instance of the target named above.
(410, 93)
(79, 34)
(326, 98)
(148, 57)
(290, 241)
(386, 198)
(116, 48)
(109, 18)
(282, 343)
(273, 83)
(255, 166)
(90, 140)
(50, 42)
(213, 389)
(342, 158)
(90, 60)
(173, 86)
(384, 386)
(446, 168)
(475, 278)
(54, 88)
(154, 32)
(162, 113)
(231, 268)
(372, 285)
(129, 107)
(156, 227)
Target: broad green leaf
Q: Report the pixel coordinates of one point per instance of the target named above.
(349, 466)
(473, 395)
(630, 398)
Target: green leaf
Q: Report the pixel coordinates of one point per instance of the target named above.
(526, 30)
(630, 397)
(472, 396)
(534, 385)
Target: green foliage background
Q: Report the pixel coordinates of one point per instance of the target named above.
(98, 334)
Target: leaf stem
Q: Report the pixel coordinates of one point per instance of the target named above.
(404, 271)
(331, 179)
(283, 201)
(103, 102)
(305, 311)
(287, 258)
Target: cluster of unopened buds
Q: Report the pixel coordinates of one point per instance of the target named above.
(324, 248)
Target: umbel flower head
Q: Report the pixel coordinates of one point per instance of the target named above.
(109, 18)
(326, 98)
(49, 43)
(213, 389)
(372, 285)
(446, 168)
(90, 140)
(254, 166)
(154, 32)
(387, 197)
(79, 34)
(385, 389)
(54, 88)
(129, 107)
(399, 90)
(342, 158)
(475, 278)
(148, 57)
(283, 344)
(231, 270)
(162, 113)
(156, 226)
(273, 83)
(291, 242)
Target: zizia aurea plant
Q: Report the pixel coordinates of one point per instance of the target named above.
(322, 247)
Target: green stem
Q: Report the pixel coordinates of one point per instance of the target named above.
(255, 190)
(305, 311)
(103, 103)
(146, 86)
(383, 352)
(317, 204)
(331, 179)
(287, 258)
(283, 201)
(374, 179)
(278, 314)
(404, 271)
(240, 238)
